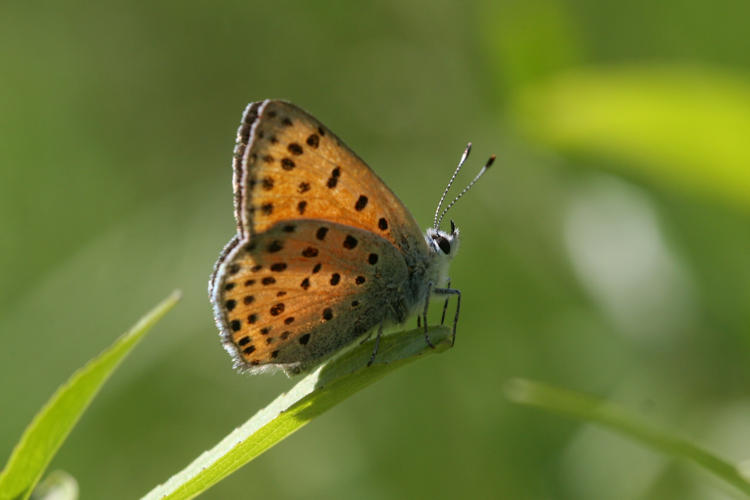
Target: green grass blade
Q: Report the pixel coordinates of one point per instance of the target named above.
(49, 428)
(313, 395)
(683, 127)
(615, 418)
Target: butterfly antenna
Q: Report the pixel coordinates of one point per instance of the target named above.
(450, 182)
(480, 174)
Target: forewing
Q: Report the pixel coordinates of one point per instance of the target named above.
(301, 290)
(289, 166)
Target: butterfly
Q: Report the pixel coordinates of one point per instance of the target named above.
(324, 251)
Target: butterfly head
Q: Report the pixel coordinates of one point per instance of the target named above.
(445, 245)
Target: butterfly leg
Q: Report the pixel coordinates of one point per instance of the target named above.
(377, 344)
(445, 306)
(457, 293)
(424, 314)
(367, 337)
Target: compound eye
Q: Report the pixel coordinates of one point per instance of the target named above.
(444, 245)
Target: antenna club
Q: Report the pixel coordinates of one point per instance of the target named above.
(490, 162)
(464, 156)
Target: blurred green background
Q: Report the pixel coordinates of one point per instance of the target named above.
(607, 252)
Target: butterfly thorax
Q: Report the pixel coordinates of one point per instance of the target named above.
(428, 269)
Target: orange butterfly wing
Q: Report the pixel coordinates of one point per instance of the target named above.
(289, 166)
(324, 250)
(301, 290)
